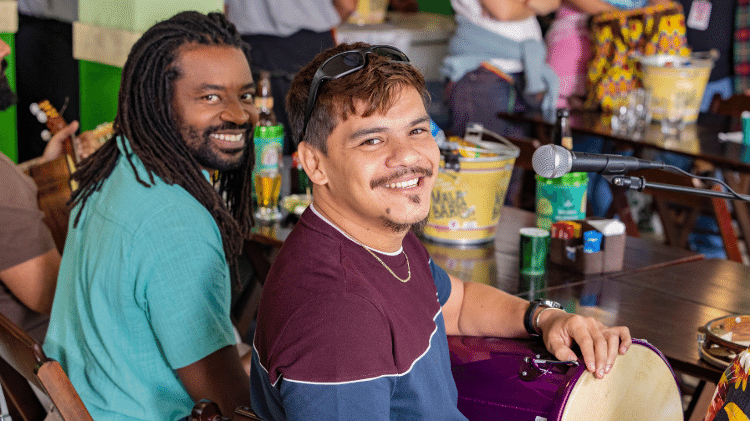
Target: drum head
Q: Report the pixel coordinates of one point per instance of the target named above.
(641, 386)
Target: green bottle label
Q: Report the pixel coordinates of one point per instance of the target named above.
(269, 142)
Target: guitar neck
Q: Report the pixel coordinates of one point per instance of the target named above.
(55, 123)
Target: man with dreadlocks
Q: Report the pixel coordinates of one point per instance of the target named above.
(140, 321)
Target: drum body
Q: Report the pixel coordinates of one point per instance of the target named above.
(503, 379)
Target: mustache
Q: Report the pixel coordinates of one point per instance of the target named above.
(227, 125)
(427, 172)
(7, 96)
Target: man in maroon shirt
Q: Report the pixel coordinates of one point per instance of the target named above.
(354, 314)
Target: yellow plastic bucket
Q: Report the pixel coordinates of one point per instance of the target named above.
(467, 203)
(667, 75)
(369, 12)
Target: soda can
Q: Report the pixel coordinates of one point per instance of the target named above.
(533, 252)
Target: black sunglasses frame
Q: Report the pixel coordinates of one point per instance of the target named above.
(337, 66)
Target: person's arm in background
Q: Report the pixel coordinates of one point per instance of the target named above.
(219, 377)
(345, 7)
(512, 10)
(86, 143)
(54, 147)
(4, 50)
(34, 281)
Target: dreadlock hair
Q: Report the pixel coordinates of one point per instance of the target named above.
(146, 119)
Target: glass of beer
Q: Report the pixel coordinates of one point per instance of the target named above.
(267, 171)
(267, 190)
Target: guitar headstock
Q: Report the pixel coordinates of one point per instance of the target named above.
(47, 114)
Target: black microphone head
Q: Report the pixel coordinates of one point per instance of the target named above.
(552, 161)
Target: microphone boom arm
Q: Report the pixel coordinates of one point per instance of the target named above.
(640, 183)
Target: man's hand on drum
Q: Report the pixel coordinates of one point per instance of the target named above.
(599, 344)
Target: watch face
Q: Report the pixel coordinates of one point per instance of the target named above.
(550, 303)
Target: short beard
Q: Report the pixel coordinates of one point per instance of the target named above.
(400, 228)
(200, 146)
(7, 96)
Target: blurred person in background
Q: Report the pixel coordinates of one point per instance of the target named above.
(29, 260)
(284, 35)
(45, 67)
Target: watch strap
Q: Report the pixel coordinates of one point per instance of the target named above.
(528, 318)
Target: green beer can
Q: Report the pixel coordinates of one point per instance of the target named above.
(560, 199)
(533, 250)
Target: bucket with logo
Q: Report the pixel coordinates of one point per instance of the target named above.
(468, 197)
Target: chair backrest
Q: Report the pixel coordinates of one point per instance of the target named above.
(732, 106)
(678, 227)
(206, 410)
(26, 358)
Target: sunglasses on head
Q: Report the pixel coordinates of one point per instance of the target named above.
(342, 64)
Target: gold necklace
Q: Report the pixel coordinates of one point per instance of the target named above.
(389, 269)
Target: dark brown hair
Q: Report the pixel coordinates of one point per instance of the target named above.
(377, 85)
(146, 119)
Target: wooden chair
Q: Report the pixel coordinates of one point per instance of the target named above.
(679, 211)
(206, 410)
(23, 362)
(732, 106)
(740, 182)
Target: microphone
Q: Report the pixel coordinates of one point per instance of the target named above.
(552, 161)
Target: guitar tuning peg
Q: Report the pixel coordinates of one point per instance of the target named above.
(34, 108)
(46, 135)
(41, 117)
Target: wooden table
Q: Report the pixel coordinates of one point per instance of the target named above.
(664, 305)
(496, 263)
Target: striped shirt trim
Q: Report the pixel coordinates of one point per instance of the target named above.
(429, 346)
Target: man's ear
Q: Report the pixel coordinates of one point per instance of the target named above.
(312, 162)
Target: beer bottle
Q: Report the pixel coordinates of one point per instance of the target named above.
(563, 136)
(264, 101)
(268, 142)
(300, 181)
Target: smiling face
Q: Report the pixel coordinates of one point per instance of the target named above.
(213, 104)
(379, 170)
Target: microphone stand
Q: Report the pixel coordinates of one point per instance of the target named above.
(640, 183)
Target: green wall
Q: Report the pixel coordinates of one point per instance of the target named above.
(436, 6)
(8, 126)
(138, 15)
(100, 85)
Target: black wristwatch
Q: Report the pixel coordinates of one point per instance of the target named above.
(528, 318)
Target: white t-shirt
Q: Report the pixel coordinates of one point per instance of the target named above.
(62, 10)
(516, 30)
(281, 17)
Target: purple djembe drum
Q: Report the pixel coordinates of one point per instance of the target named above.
(510, 379)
